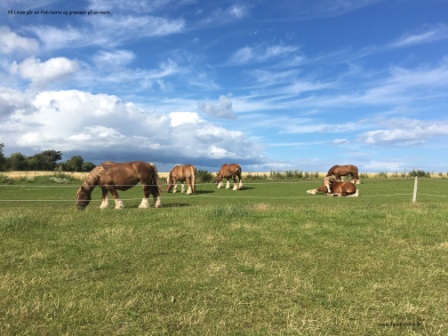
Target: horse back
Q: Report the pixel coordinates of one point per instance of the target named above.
(343, 188)
(230, 170)
(332, 170)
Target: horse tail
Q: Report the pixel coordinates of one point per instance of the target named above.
(155, 181)
(193, 178)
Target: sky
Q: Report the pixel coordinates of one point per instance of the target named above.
(271, 85)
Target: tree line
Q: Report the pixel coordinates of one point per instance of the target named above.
(46, 160)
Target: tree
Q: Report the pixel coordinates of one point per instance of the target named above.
(17, 161)
(74, 164)
(45, 160)
(2, 158)
(87, 166)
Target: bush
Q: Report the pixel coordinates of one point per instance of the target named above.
(203, 176)
(419, 173)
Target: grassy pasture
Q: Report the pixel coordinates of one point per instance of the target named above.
(269, 259)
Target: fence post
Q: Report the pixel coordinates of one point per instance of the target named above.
(414, 196)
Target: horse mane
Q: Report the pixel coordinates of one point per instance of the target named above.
(93, 177)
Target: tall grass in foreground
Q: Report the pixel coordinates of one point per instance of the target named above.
(268, 259)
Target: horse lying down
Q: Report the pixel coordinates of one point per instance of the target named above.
(332, 187)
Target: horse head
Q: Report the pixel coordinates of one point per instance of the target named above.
(83, 197)
(219, 177)
(169, 183)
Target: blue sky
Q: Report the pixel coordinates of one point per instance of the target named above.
(285, 85)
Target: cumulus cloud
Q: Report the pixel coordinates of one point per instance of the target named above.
(223, 109)
(103, 127)
(40, 73)
(10, 41)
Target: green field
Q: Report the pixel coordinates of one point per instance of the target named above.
(266, 260)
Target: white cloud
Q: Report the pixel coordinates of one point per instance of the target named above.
(405, 132)
(103, 126)
(223, 109)
(429, 34)
(260, 54)
(183, 118)
(113, 58)
(43, 72)
(10, 41)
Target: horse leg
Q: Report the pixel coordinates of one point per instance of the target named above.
(174, 186)
(235, 186)
(118, 202)
(228, 184)
(189, 190)
(240, 184)
(154, 191)
(105, 199)
(144, 204)
(312, 191)
(182, 187)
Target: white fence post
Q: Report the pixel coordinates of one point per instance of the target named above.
(414, 196)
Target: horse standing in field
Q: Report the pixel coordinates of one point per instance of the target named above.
(111, 176)
(346, 170)
(185, 173)
(228, 171)
(332, 187)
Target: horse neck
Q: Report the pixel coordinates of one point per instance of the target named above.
(88, 187)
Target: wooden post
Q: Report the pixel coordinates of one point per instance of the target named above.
(414, 196)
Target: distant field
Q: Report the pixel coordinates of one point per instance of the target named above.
(266, 260)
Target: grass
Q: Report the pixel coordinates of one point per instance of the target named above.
(266, 260)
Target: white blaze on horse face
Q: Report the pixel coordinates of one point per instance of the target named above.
(144, 204)
(104, 203)
(312, 191)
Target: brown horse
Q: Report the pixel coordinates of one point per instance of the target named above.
(228, 171)
(185, 173)
(332, 187)
(111, 176)
(346, 170)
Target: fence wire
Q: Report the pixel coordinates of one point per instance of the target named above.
(232, 196)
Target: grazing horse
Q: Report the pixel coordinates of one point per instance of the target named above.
(185, 173)
(111, 176)
(346, 170)
(228, 171)
(333, 187)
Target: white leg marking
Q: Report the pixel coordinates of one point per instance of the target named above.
(219, 185)
(228, 185)
(175, 188)
(182, 188)
(189, 192)
(119, 204)
(157, 202)
(240, 185)
(104, 203)
(144, 204)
